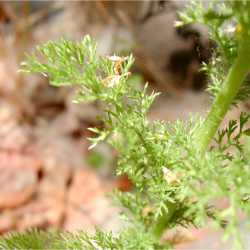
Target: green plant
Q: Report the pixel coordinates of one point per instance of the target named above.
(178, 176)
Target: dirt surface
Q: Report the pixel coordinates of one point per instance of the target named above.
(40, 189)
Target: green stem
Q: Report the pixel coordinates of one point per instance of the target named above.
(162, 223)
(221, 105)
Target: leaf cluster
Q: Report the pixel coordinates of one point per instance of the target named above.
(227, 21)
(34, 239)
(174, 185)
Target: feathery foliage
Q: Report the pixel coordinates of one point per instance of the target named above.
(178, 177)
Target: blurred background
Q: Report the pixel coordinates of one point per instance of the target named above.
(48, 178)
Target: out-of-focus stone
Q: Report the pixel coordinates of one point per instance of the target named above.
(13, 159)
(16, 186)
(54, 182)
(40, 213)
(55, 190)
(77, 220)
(85, 187)
(89, 195)
(7, 221)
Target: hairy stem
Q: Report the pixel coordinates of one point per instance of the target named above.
(221, 105)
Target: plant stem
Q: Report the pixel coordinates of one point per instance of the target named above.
(221, 105)
(224, 98)
(163, 221)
